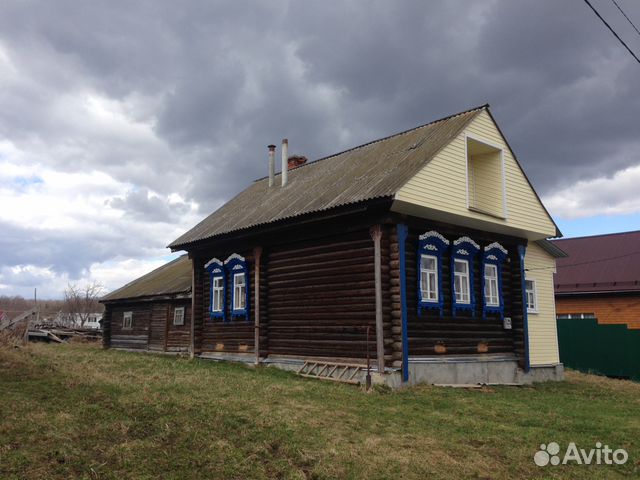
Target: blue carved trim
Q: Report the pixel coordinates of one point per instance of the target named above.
(463, 248)
(494, 254)
(236, 264)
(434, 244)
(402, 237)
(522, 249)
(216, 270)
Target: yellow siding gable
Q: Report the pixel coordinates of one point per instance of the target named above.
(441, 188)
(543, 335)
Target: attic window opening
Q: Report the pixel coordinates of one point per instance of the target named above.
(485, 178)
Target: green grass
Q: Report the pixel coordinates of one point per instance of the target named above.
(77, 411)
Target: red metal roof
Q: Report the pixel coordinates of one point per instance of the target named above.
(601, 263)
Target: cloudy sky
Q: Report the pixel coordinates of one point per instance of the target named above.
(123, 123)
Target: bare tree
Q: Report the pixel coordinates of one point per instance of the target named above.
(80, 302)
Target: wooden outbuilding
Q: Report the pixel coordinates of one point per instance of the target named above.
(153, 312)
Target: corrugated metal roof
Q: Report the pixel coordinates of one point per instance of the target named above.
(601, 263)
(170, 279)
(374, 170)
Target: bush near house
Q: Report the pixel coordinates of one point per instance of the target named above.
(77, 411)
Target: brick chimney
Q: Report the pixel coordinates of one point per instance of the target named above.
(294, 161)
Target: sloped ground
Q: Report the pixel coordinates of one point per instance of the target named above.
(77, 411)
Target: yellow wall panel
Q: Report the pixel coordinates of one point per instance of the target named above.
(442, 184)
(543, 335)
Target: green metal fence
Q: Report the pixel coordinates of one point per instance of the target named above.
(612, 350)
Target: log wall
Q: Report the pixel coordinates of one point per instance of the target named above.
(178, 337)
(136, 337)
(462, 334)
(152, 326)
(322, 297)
(234, 334)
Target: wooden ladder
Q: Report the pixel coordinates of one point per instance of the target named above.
(337, 372)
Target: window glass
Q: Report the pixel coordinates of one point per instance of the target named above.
(461, 281)
(530, 288)
(127, 320)
(178, 316)
(491, 285)
(429, 278)
(218, 294)
(239, 291)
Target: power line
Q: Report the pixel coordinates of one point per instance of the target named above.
(612, 30)
(625, 16)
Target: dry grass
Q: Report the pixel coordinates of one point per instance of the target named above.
(76, 411)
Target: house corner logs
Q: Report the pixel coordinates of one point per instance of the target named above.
(257, 254)
(376, 235)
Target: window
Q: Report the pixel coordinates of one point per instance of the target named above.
(217, 297)
(239, 291)
(491, 285)
(217, 284)
(127, 320)
(178, 316)
(429, 278)
(485, 178)
(532, 301)
(570, 316)
(461, 281)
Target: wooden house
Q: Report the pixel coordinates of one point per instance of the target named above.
(151, 313)
(416, 250)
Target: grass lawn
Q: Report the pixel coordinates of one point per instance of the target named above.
(77, 411)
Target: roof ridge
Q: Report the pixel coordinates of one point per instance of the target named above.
(136, 280)
(404, 132)
(596, 235)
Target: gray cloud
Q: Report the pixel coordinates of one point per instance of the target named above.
(199, 91)
(139, 204)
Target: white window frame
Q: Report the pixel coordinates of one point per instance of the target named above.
(492, 282)
(243, 288)
(464, 277)
(429, 288)
(535, 295)
(127, 325)
(175, 316)
(214, 289)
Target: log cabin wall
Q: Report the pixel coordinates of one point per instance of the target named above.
(429, 332)
(321, 297)
(158, 325)
(178, 337)
(233, 334)
(136, 337)
(106, 327)
(317, 296)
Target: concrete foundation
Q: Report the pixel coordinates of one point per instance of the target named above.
(454, 371)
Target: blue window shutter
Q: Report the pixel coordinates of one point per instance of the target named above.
(216, 269)
(237, 264)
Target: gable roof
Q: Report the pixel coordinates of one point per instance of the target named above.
(374, 170)
(172, 278)
(600, 263)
